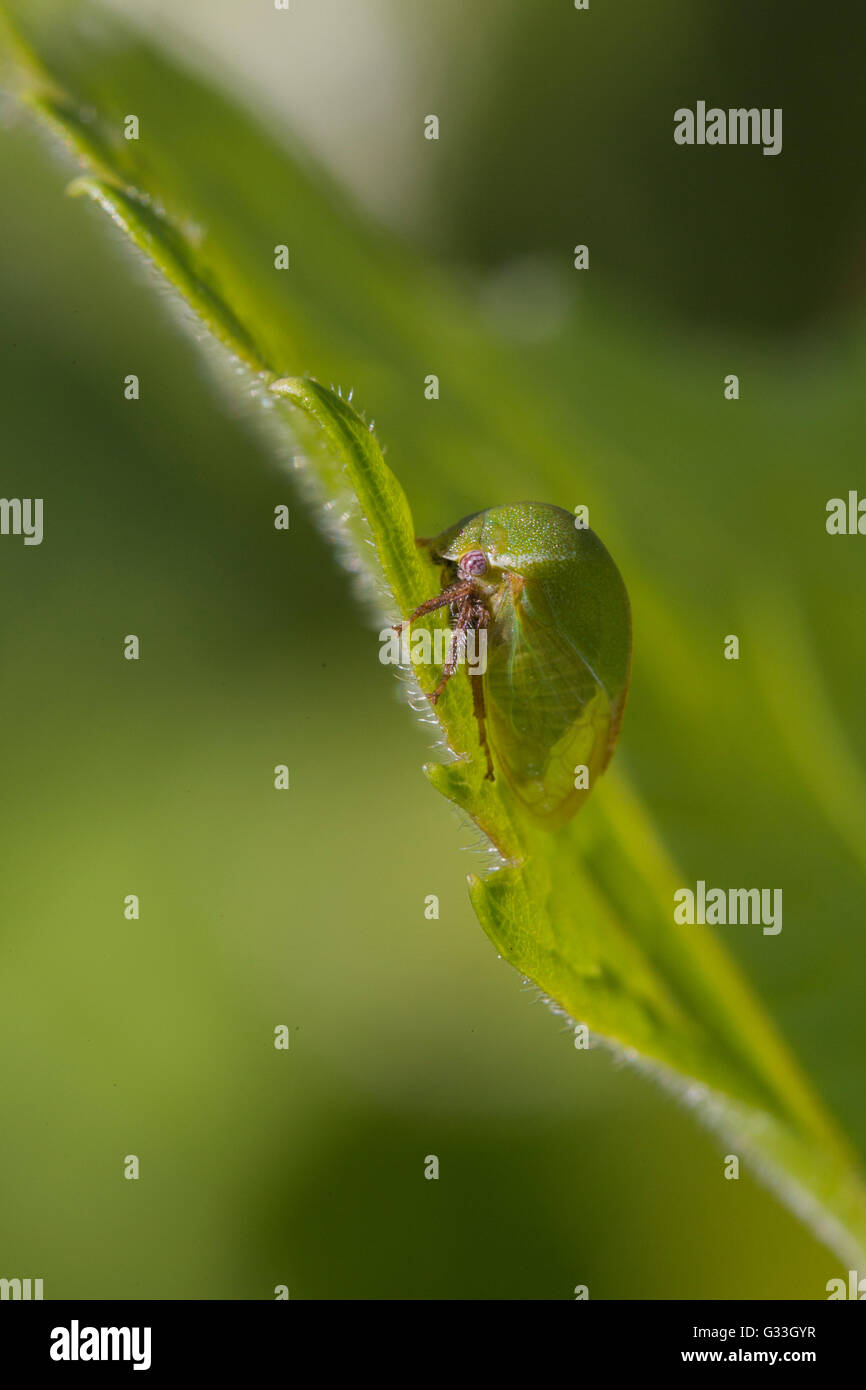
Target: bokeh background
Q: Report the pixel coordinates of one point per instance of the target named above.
(409, 1037)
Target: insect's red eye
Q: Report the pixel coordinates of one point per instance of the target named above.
(473, 563)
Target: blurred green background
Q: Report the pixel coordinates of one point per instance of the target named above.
(154, 1037)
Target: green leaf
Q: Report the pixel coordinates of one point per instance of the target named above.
(585, 913)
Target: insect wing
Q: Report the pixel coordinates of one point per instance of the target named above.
(548, 712)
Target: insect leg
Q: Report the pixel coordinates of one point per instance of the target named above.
(477, 683)
(453, 594)
(481, 620)
(462, 621)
